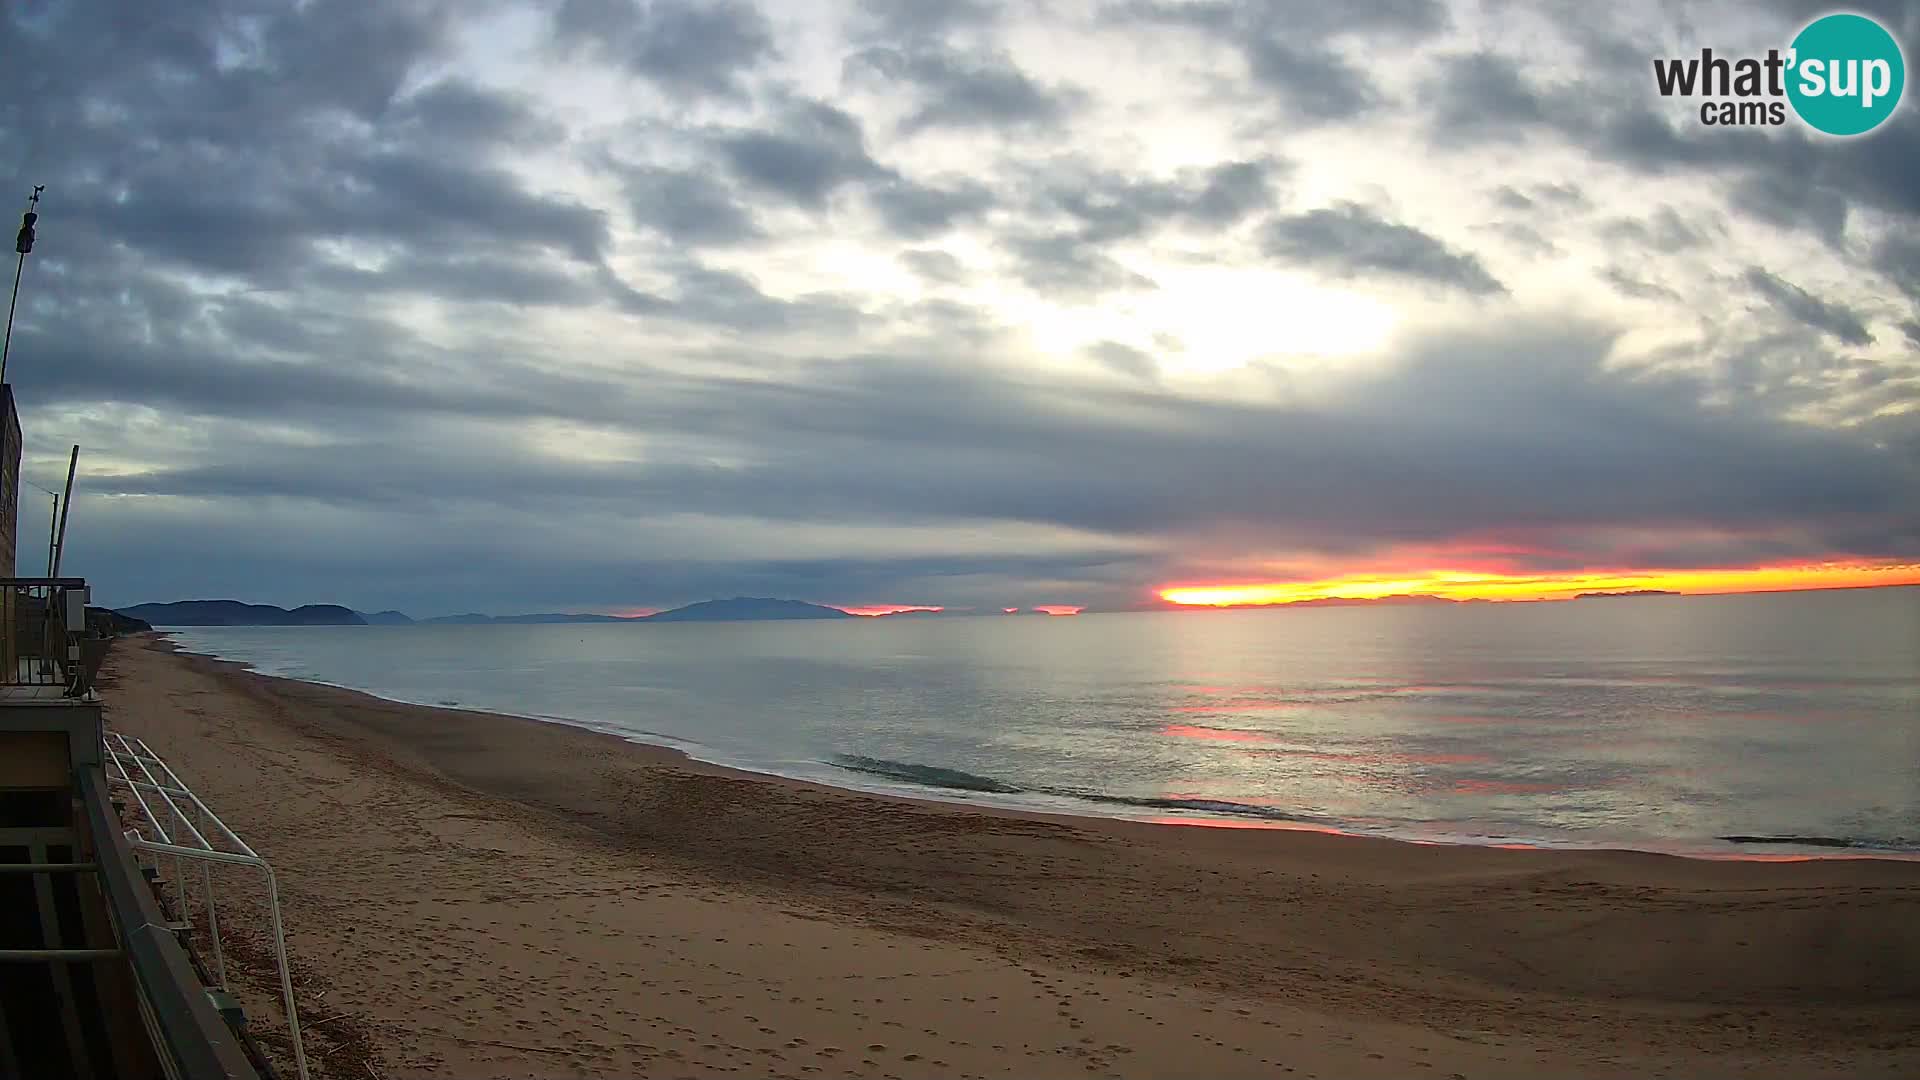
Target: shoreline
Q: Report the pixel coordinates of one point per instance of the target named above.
(1795, 849)
(471, 894)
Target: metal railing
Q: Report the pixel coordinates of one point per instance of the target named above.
(180, 825)
(44, 638)
(187, 1033)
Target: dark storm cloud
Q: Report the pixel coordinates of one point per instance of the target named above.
(1899, 16)
(810, 152)
(1610, 113)
(404, 197)
(1483, 95)
(1792, 202)
(698, 46)
(976, 89)
(477, 278)
(163, 62)
(1315, 84)
(1449, 440)
(688, 207)
(917, 19)
(421, 198)
(733, 301)
(1290, 47)
(1393, 20)
(1348, 240)
(1911, 328)
(1103, 206)
(1065, 265)
(915, 211)
(457, 114)
(1796, 303)
(244, 170)
(1898, 257)
(1783, 178)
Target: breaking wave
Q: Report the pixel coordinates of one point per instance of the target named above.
(933, 776)
(925, 775)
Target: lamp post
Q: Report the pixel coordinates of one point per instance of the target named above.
(53, 531)
(22, 243)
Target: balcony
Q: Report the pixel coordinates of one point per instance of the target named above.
(48, 651)
(95, 976)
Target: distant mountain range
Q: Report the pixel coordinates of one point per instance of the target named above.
(235, 613)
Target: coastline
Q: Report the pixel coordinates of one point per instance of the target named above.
(888, 783)
(457, 880)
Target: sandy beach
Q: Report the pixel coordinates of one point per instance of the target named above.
(471, 895)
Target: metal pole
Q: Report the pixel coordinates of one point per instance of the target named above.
(53, 529)
(23, 245)
(66, 507)
(15, 302)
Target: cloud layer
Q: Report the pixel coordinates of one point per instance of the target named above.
(608, 304)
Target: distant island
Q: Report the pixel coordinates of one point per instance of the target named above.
(749, 609)
(1380, 601)
(1629, 592)
(235, 613)
(1395, 600)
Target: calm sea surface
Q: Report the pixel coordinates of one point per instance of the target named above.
(1790, 721)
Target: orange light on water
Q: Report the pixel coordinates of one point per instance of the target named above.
(1196, 731)
(1462, 585)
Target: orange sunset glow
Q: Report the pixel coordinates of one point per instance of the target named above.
(887, 609)
(1461, 585)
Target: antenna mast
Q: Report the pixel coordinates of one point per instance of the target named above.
(22, 243)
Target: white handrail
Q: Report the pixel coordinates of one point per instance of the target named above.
(206, 854)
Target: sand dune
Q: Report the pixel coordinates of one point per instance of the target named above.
(476, 896)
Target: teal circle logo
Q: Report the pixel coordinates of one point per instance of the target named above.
(1847, 74)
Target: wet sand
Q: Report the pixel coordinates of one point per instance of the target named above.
(476, 896)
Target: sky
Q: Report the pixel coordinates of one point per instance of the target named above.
(602, 305)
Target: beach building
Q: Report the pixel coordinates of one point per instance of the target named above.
(96, 976)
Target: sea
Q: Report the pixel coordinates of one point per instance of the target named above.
(1776, 725)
